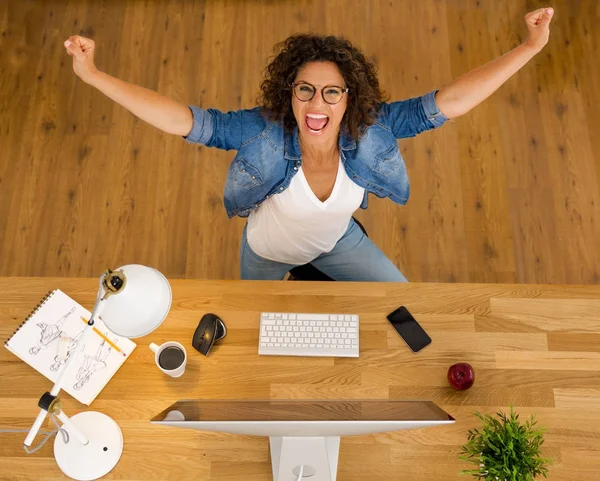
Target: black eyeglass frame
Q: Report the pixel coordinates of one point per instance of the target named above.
(294, 85)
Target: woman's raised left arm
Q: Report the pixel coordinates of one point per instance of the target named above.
(471, 89)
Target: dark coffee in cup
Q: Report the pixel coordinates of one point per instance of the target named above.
(171, 358)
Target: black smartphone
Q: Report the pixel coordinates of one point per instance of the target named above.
(409, 329)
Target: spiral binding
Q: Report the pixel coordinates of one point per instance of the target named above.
(33, 312)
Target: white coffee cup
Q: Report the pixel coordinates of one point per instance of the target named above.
(171, 370)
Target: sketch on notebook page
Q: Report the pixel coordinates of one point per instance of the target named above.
(91, 364)
(61, 359)
(49, 333)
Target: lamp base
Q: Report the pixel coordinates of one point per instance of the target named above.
(99, 456)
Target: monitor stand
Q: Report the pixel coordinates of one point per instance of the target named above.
(319, 455)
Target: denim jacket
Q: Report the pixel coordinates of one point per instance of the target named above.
(268, 157)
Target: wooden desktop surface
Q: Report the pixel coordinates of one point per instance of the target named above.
(536, 346)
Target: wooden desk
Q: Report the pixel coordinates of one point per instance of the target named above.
(536, 346)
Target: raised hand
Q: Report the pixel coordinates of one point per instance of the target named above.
(538, 24)
(82, 50)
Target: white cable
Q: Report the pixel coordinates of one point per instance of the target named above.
(58, 429)
(301, 472)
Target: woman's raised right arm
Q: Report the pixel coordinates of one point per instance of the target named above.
(162, 112)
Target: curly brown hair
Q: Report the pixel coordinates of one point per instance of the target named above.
(360, 75)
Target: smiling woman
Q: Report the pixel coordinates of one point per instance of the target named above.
(354, 75)
(312, 115)
(321, 139)
(305, 92)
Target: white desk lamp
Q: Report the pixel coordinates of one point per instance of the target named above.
(133, 300)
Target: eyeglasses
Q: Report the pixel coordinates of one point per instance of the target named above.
(331, 94)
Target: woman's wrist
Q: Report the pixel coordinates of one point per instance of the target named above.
(530, 47)
(92, 77)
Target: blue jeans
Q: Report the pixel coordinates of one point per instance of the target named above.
(354, 258)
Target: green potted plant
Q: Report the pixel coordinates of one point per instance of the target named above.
(505, 450)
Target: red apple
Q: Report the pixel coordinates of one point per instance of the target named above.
(461, 376)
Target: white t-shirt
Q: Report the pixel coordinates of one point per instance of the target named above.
(295, 227)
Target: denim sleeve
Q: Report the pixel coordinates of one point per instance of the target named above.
(408, 118)
(214, 128)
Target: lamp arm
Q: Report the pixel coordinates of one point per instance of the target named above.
(98, 307)
(71, 429)
(48, 398)
(36, 427)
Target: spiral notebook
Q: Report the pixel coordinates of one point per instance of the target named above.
(49, 335)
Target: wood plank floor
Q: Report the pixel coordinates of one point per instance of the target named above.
(508, 193)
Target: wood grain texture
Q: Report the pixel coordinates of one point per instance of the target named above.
(535, 346)
(507, 193)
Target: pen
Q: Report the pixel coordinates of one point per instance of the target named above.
(112, 344)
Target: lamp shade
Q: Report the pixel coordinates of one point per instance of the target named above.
(141, 306)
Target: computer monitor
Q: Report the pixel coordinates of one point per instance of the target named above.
(304, 436)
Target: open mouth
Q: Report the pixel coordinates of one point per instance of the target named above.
(316, 123)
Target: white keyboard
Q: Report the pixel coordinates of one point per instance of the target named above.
(287, 334)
